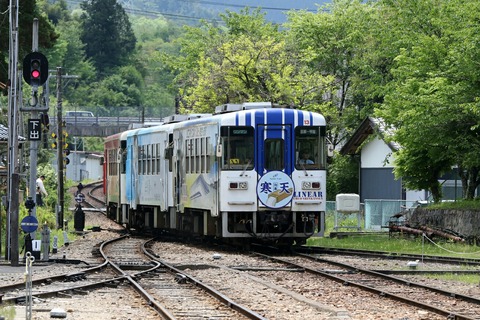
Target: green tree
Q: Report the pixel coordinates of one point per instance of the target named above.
(332, 42)
(28, 10)
(107, 34)
(56, 11)
(114, 91)
(342, 175)
(248, 60)
(433, 98)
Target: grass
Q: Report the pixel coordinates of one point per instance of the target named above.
(400, 244)
(464, 278)
(7, 312)
(396, 243)
(457, 205)
(404, 244)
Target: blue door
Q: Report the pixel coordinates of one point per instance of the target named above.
(274, 148)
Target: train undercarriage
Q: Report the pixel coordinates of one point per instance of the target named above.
(273, 227)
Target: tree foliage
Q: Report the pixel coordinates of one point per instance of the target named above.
(247, 60)
(412, 62)
(27, 11)
(107, 34)
(337, 41)
(433, 98)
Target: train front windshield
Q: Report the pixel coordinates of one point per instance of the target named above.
(238, 150)
(310, 148)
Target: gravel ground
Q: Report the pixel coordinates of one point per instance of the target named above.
(121, 303)
(275, 295)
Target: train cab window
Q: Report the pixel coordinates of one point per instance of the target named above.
(238, 148)
(310, 148)
(274, 154)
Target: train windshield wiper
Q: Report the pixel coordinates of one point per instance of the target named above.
(245, 168)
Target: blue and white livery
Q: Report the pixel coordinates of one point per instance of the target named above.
(250, 171)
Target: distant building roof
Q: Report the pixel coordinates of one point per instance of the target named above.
(4, 135)
(368, 127)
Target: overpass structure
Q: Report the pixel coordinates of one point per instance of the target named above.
(103, 126)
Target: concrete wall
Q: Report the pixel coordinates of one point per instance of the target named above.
(466, 223)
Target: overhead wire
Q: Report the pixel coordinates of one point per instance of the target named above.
(183, 17)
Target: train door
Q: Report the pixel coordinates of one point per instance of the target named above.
(274, 149)
(178, 170)
(132, 173)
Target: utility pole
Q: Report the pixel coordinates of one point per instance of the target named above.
(35, 73)
(12, 252)
(61, 200)
(34, 103)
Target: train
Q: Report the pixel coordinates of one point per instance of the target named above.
(246, 173)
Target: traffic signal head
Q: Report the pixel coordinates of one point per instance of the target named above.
(35, 69)
(54, 142)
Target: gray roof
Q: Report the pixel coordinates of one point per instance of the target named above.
(369, 126)
(4, 135)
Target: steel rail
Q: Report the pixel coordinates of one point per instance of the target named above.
(51, 293)
(386, 255)
(447, 313)
(60, 277)
(151, 300)
(213, 292)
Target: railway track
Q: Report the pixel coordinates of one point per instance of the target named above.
(171, 292)
(90, 200)
(442, 302)
(62, 284)
(387, 255)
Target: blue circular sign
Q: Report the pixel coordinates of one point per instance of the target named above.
(29, 224)
(80, 198)
(275, 189)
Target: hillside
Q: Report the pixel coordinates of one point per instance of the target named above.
(193, 10)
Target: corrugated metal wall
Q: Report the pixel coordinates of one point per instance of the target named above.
(379, 183)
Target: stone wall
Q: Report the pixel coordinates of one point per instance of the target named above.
(466, 223)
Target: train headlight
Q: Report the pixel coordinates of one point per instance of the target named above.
(243, 185)
(309, 185)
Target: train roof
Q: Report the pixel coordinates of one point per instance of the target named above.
(245, 114)
(254, 116)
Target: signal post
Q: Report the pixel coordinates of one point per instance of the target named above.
(35, 73)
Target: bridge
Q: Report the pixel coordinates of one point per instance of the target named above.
(103, 126)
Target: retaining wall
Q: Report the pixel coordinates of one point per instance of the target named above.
(466, 223)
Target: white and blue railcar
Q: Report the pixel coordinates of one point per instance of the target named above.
(257, 172)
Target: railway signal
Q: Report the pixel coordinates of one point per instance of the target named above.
(54, 142)
(66, 150)
(35, 69)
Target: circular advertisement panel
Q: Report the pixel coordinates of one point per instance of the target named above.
(275, 189)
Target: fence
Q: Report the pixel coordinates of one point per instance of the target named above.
(376, 213)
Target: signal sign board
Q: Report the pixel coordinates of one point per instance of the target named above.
(29, 224)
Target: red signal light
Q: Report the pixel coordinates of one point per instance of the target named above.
(35, 69)
(35, 74)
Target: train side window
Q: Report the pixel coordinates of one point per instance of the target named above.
(123, 155)
(169, 152)
(238, 148)
(140, 157)
(209, 154)
(157, 158)
(149, 159)
(188, 155)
